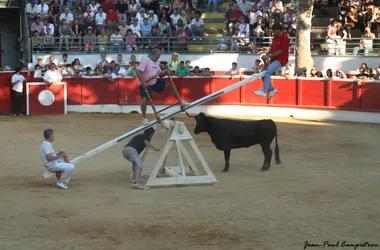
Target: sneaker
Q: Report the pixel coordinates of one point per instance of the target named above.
(145, 121)
(272, 93)
(194, 39)
(260, 92)
(61, 185)
(200, 39)
(137, 186)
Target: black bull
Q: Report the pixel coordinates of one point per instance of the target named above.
(227, 134)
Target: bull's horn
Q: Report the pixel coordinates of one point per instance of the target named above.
(189, 115)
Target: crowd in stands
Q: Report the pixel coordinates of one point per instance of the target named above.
(115, 68)
(364, 14)
(114, 26)
(254, 19)
(247, 19)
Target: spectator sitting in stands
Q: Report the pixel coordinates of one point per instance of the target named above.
(68, 71)
(103, 40)
(197, 25)
(163, 65)
(109, 75)
(329, 73)
(108, 4)
(100, 18)
(182, 70)
(132, 70)
(65, 35)
(377, 74)
(110, 28)
(31, 10)
(208, 72)
(188, 64)
(223, 41)
(135, 28)
(313, 73)
(103, 61)
(366, 43)
(37, 42)
(234, 18)
(152, 18)
(116, 41)
(140, 16)
(89, 40)
(121, 8)
(49, 40)
(154, 38)
(234, 71)
(76, 31)
(88, 12)
(146, 28)
(97, 71)
(124, 70)
(244, 27)
(175, 17)
(52, 76)
(43, 9)
(244, 6)
(253, 15)
(163, 44)
(67, 16)
(238, 40)
(150, 5)
(174, 62)
(131, 41)
(112, 16)
(123, 27)
(77, 73)
(196, 72)
(38, 26)
(168, 7)
(88, 72)
(181, 35)
(276, 9)
(258, 66)
(340, 74)
(164, 26)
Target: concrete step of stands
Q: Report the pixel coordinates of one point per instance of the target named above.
(201, 47)
(211, 16)
(214, 25)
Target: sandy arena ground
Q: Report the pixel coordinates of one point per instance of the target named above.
(327, 189)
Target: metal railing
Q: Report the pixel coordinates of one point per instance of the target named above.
(353, 46)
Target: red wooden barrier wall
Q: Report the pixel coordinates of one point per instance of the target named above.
(300, 92)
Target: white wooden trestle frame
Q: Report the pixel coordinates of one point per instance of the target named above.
(178, 175)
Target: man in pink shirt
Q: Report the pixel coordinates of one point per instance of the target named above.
(147, 73)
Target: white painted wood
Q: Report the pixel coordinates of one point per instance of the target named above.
(200, 157)
(178, 173)
(180, 159)
(171, 172)
(188, 158)
(188, 180)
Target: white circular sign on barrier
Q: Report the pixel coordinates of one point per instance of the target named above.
(46, 97)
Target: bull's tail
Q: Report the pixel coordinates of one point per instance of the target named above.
(277, 150)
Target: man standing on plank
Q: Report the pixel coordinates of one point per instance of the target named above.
(147, 73)
(278, 54)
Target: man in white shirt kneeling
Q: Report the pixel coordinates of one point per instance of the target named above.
(51, 162)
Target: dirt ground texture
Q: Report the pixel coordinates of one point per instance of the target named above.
(326, 189)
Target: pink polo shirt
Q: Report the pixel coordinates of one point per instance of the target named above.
(149, 68)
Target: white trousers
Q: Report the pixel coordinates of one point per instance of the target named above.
(67, 170)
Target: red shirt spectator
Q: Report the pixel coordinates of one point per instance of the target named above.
(281, 43)
(112, 16)
(107, 4)
(236, 14)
